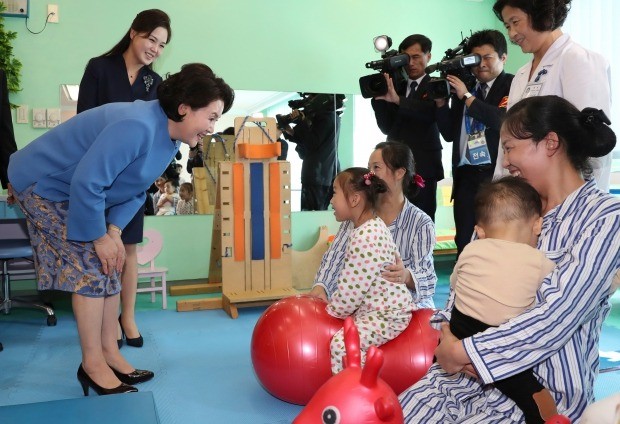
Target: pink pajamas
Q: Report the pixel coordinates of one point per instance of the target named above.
(381, 310)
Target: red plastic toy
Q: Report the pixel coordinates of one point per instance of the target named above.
(290, 349)
(355, 395)
(558, 419)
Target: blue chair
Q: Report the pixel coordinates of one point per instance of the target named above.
(14, 250)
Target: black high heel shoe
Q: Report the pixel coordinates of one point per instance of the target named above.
(88, 382)
(134, 377)
(135, 342)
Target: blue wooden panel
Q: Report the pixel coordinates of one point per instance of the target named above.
(257, 207)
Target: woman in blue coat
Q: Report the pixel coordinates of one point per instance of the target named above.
(79, 185)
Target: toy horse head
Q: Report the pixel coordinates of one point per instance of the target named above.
(356, 395)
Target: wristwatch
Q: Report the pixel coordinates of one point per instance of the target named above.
(468, 95)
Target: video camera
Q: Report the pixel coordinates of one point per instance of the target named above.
(310, 103)
(455, 64)
(391, 62)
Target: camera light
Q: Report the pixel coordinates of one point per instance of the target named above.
(382, 43)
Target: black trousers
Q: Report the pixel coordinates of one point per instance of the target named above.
(315, 197)
(467, 182)
(520, 387)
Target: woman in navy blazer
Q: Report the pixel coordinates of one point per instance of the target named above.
(125, 74)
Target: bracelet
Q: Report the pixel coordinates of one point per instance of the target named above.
(115, 228)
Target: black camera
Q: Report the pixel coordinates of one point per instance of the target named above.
(309, 105)
(453, 63)
(391, 63)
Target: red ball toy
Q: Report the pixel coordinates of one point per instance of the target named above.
(410, 355)
(291, 357)
(290, 347)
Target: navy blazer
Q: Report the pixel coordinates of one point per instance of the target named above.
(105, 81)
(489, 111)
(413, 122)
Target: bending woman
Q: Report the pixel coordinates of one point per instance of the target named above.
(80, 194)
(546, 141)
(124, 74)
(413, 231)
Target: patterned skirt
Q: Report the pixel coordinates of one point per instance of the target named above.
(62, 264)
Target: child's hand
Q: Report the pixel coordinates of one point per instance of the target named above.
(318, 291)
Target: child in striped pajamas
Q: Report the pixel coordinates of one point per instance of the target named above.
(381, 309)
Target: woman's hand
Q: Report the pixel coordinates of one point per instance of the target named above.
(107, 251)
(120, 258)
(397, 273)
(10, 198)
(318, 291)
(451, 354)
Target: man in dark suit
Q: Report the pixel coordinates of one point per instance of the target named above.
(7, 138)
(472, 123)
(407, 114)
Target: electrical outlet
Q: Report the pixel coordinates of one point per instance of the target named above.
(39, 118)
(52, 13)
(53, 118)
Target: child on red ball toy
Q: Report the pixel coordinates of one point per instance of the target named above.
(381, 309)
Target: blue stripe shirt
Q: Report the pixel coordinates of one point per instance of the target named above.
(414, 234)
(558, 337)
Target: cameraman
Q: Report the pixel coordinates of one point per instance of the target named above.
(407, 114)
(316, 136)
(472, 123)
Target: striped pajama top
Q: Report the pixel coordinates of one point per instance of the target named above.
(414, 234)
(558, 337)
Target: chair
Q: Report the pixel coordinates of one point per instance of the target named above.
(147, 269)
(11, 251)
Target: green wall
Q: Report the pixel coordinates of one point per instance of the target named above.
(317, 46)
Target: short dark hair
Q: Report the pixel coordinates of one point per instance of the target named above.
(507, 199)
(196, 86)
(145, 22)
(545, 15)
(425, 43)
(487, 36)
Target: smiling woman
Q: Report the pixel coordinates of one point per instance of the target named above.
(91, 185)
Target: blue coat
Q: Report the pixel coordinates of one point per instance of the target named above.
(101, 161)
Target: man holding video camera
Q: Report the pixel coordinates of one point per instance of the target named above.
(316, 134)
(407, 114)
(472, 122)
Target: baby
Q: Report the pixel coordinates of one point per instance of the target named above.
(496, 278)
(167, 201)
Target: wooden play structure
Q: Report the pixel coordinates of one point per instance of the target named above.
(216, 148)
(251, 248)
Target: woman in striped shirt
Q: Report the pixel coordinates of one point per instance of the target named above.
(548, 142)
(413, 231)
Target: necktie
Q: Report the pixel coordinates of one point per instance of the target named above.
(481, 91)
(412, 86)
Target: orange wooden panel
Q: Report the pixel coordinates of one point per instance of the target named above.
(275, 227)
(238, 212)
(259, 151)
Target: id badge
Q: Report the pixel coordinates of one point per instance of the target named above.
(478, 151)
(532, 90)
